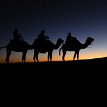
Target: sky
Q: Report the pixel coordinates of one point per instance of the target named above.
(82, 18)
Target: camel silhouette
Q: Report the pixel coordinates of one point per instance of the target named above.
(76, 47)
(46, 46)
(17, 47)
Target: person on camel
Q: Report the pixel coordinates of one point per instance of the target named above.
(17, 36)
(42, 38)
(70, 40)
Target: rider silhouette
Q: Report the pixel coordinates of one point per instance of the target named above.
(71, 40)
(68, 38)
(42, 36)
(17, 36)
(42, 40)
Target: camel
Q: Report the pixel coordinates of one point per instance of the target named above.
(22, 46)
(46, 46)
(76, 47)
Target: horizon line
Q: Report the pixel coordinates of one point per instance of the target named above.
(16, 62)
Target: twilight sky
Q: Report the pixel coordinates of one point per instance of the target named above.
(82, 18)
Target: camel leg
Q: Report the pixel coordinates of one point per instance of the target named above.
(8, 56)
(37, 57)
(78, 55)
(63, 57)
(49, 56)
(34, 55)
(24, 57)
(74, 56)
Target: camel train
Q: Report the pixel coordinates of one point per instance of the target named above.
(42, 45)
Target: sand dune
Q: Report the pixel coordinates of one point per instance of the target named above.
(92, 68)
(83, 76)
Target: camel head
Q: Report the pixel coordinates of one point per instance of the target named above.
(89, 40)
(59, 42)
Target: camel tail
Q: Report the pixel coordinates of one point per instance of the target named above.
(3, 47)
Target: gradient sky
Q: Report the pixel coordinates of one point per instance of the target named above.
(82, 18)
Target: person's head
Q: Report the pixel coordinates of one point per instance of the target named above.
(43, 31)
(15, 30)
(69, 35)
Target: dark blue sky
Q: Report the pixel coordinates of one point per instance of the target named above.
(58, 17)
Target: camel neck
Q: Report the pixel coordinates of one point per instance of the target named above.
(57, 45)
(85, 45)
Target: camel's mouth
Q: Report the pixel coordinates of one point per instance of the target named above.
(90, 40)
(63, 42)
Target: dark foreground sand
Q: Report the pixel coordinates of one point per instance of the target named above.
(87, 77)
(87, 69)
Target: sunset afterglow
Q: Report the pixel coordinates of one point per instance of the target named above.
(82, 18)
(84, 54)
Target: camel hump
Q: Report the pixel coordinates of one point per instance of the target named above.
(75, 41)
(18, 43)
(38, 41)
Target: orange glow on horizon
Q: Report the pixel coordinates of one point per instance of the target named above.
(16, 57)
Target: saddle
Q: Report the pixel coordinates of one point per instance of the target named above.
(17, 43)
(73, 43)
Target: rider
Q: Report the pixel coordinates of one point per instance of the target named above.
(68, 38)
(41, 39)
(71, 40)
(42, 36)
(17, 36)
